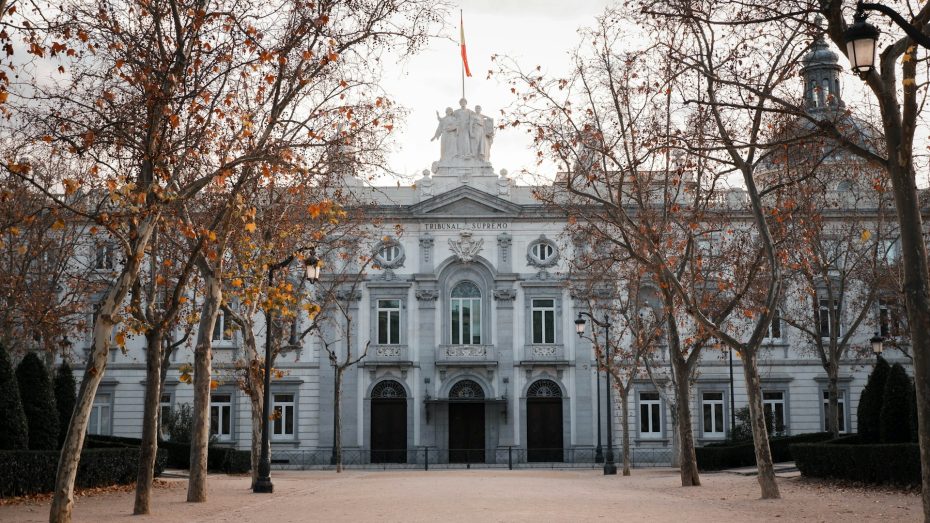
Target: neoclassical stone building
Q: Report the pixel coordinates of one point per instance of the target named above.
(473, 352)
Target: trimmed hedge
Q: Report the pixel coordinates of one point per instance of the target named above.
(38, 398)
(65, 399)
(178, 455)
(881, 463)
(25, 472)
(14, 431)
(743, 454)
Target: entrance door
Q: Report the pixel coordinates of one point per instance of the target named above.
(388, 423)
(544, 422)
(466, 432)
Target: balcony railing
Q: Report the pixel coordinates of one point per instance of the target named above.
(544, 353)
(387, 355)
(466, 355)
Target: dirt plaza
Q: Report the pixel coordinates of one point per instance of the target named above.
(494, 495)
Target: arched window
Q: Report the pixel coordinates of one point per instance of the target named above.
(388, 389)
(466, 314)
(544, 389)
(466, 390)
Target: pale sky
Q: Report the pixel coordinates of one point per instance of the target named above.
(534, 32)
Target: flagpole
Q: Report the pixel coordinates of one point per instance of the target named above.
(463, 62)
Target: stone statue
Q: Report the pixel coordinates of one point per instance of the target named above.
(446, 132)
(503, 184)
(426, 184)
(465, 136)
(463, 141)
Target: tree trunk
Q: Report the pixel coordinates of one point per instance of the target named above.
(63, 497)
(203, 354)
(625, 427)
(833, 405)
(255, 399)
(337, 419)
(689, 470)
(150, 422)
(760, 435)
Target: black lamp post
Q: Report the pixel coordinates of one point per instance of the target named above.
(598, 451)
(877, 342)
(263, 483)
(610, 467)
(862, 37)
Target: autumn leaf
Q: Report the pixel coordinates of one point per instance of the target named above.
(237, 282)
(866, 234)
(3, 96)
(250, 227)
(121, 339)
(58, 225)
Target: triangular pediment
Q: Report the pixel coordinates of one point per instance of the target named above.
(465, 201)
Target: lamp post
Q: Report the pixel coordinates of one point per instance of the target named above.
(862, 37)
(877, 342)
(610, 468)
(263, 483)
(598, 451)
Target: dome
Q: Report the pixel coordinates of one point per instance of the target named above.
(820, 54)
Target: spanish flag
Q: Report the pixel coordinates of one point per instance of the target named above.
(462, 45)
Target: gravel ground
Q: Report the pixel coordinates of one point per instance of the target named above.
(495, 495)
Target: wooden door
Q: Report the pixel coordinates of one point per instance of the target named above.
(466, 432)
(389, 431)
(544, 429)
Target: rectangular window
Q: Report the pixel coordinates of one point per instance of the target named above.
(389, 322)
(774, 332)
(840, 408)
(100, 415)
(773, 403)
(824, 316)
(164, 411)
(650, 414)
(712, 407)
(889, 318)
(283, 416)
(103, 257)
(221, 416)
(222, 332)
(466, 321)
(543, 313)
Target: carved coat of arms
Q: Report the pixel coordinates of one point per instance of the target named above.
(466, 247)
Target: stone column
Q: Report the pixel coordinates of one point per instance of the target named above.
(504, 298)
(426, 342)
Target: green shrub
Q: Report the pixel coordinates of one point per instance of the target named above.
(65, 399)
(14, 431)
(868, 413)
(895, 417)
(178, 425)
(25, 472)
(35, 390)
(877, 463)
(743, 454)
(178, 455)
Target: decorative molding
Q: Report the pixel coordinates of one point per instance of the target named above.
(398, 261)
(505, 294)
(466, 351)
(504, 241)
(427, 294)
(426, 247)
(466, 247)
(348, 295)
(535, 261)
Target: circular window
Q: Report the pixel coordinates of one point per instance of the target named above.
(542, 253)
(389, 254)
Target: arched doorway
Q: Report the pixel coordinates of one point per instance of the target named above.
(466, 423)
(544, 422)
(388, 423)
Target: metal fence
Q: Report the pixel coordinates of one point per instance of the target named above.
(426, 458)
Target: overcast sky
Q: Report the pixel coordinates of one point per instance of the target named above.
(534, 32)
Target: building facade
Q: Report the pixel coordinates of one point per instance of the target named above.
(472, 353)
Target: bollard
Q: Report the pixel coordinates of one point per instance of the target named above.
(510, 458)
(426, 458)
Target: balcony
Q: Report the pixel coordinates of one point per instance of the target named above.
(388, 355)
(544, 355)
(463, 355)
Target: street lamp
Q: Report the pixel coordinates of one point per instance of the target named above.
(877, 344)
(609, 467)
(862, 37)
(312, 271)
(598, 451)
